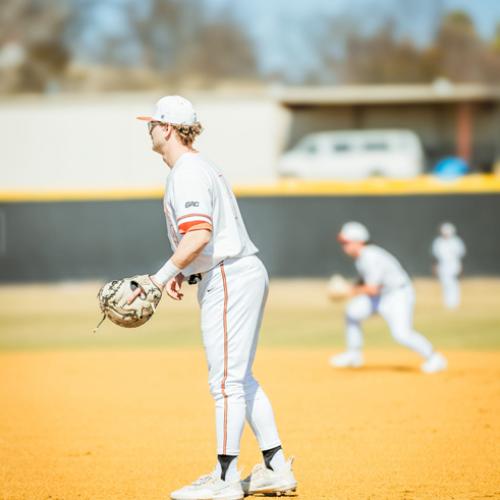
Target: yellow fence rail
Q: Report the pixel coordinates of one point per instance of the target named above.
(423, 185)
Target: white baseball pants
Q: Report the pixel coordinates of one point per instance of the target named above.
(396, 308)
(232, 297)
(450, 286)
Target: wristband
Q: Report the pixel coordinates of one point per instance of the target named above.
(167, 272)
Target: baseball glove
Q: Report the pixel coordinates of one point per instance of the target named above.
(113, 298)
(338, 288)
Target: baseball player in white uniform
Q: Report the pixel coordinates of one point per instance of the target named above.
(448, 249)
(211, 247)
(385, 288)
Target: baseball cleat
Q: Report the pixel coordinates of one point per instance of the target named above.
(210, 487)
(269, 482)
(348, 359)
(436, 363)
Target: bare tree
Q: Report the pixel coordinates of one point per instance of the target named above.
(34, 28)
(458, 49)
(378, 58)
(177, 38)
(459, 54)
(165, 30)
(221, 52)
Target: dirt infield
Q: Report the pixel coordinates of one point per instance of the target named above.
(135, 424)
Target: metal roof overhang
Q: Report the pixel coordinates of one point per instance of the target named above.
(386, 94)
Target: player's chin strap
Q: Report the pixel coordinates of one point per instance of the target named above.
(99, 324)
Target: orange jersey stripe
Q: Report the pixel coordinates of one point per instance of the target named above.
(194, 226)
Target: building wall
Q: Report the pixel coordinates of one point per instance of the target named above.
(296, 235)
(94, 142)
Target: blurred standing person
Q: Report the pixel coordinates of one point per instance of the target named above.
(448, 249)
(384, 288)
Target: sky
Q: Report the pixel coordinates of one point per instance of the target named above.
(276, 27)
(276, 24)
(486, 13)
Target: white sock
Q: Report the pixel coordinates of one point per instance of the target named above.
(278, 461)
(354, 336)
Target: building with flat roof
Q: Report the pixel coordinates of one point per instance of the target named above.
(461, 120)
(87, 142)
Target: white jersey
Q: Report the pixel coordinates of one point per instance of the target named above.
(449, 253)
(378, 267)
(198, 196)
(233, 291)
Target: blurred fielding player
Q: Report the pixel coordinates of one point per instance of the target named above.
(211, 247)
(448, 249)
(385, 289)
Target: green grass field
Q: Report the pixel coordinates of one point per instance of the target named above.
(298, 315)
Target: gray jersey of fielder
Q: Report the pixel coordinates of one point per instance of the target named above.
(377, 266)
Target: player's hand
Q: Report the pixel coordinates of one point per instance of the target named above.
(137, 292)
(173, 287)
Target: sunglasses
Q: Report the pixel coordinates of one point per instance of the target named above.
(152, 125)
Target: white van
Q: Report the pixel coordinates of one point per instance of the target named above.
(354, 154)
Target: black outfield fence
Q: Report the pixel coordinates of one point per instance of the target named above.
(74, 240)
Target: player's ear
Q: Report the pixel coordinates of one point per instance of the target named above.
(168, 130)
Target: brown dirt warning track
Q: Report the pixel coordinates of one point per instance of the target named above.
(136, 424)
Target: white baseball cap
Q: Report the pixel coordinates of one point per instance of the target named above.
(353, 231)
(172, 109)
(447, 229)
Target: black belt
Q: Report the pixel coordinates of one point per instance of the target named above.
(194, 279)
